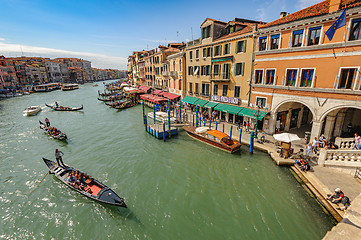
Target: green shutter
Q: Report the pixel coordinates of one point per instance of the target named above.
(244, 45)
(242, 69)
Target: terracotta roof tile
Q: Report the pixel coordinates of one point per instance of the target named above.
(247, 29)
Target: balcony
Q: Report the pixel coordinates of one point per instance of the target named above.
(165, 73)
(223, 77)
(173, 74)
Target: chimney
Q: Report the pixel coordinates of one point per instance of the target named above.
(283, 14)
(334, 5)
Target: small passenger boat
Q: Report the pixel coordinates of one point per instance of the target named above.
(214, 138)
(32, 110)
(91, 188)
(68, 87)
(53, 132)
(61, 108)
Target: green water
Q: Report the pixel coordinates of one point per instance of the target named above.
(180, 189)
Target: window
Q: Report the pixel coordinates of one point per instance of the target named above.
(202, 70)
(196, 70)
(237, 91)
(261, 102)
(275, 41)
(224, 90)
(314, 36)
(205, 89)
(216, 70)
(226, 48)
(306, 78)
(297, 37)
(347, 77)
(215, 89)
(217, 50)
(258, 77)
(190, 70)
(239, 69)
(270, 77)
(206, 32)
(196, 88)
(226, 68)
(190, 87)
(204, 52)
(191, 55)
(241, 46)
(291, 77)
(207, 70)
(355, 30)
(207, 52)
(197, 54)
(262, 43)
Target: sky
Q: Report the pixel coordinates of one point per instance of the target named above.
(106, 32)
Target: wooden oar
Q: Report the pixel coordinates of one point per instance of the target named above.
(42, 179)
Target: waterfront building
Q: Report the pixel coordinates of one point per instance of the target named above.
(149, 70)
(36, 73)
(54, 72)
(86, 65)
(303, 78)
(64, 71)
(219, 66)
(8, 79)
(176, 73)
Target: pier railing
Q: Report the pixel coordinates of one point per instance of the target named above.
(350, 159)
(344, 143)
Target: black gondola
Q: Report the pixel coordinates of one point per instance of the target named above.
(60, 108)
(93, 188)
(60, 136)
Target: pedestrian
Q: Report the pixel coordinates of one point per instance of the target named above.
(47, 122)
(336, 196)
(238, 124)
(278, 125)
(349, 127)
(357, 143)
(322, 140)
(315, 145)
(58, 156)
(308, 150)
(247, 126)
(263, 137)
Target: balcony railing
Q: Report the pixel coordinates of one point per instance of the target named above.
(222, 77)
(340, 158)
(344, 143)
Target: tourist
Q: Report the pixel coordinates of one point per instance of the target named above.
(322, 141)
(71, 178)
(58, 156)
(315, 145)
(247, 126)
(346, 203)
(308, 150)
(336, 196)
(263, 137)
(47, 122)
(278, 125)
(357, 144)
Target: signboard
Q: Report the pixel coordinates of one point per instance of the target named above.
(225, 99)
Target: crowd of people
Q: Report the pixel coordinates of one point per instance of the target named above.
(80, 180)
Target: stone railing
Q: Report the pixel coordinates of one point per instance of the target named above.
(340, 158)
(344, 143)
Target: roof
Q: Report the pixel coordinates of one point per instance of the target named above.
(218, 134)
(247, 29)
(214, 20)
(153, 99)
(170, 96)
(318, 9)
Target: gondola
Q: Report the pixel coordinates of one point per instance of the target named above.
(61, 136)
(92, 188)
(124, 105)
(61, 108)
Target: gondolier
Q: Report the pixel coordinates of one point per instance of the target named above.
(47, 122)
(58, 156)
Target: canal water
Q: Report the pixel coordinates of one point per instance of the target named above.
(179, 189)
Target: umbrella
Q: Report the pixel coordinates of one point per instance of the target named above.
(286, 137)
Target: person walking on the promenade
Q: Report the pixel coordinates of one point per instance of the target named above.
(47, 122)
(58, 156)
(278, 126)
(357, 143)
(247, 126)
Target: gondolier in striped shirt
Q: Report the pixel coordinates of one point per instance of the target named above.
(58, 156)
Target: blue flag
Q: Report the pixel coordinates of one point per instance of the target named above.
(340, 22)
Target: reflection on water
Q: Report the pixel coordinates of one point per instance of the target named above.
(179, 189)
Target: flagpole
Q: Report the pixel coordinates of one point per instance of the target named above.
(345, 26)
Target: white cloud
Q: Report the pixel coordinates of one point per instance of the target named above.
(306, 3)
(160, 41)
(98, 60)
(2, 39)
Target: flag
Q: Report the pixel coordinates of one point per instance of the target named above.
(340, 22)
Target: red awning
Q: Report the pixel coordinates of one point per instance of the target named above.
(157, 92)
(153, 98)
(170, 96)
(144, 88)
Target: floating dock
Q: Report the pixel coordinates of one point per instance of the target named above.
(160, 132)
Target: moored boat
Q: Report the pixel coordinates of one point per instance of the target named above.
(61, 108)
(53, 132)
(32, 110)
(124, 105)
(91, 188)
(214, 138)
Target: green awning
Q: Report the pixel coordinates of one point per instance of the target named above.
(221, 59)
(255, 114)
(211, 105)
(228, 108)
(190, 100)
(201, 102)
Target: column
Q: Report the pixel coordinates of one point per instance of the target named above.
(272, 124)
(227, 117)
(339, 123)
(288, 120)
(316, 129)
(330, 122)
(300, 115)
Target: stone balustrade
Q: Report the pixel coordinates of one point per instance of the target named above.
(350, 159)
(344, 143)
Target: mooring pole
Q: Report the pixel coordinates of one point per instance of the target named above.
(251, 143)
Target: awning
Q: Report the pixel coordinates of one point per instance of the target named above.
(228, 108)
(255, 114)
(190, 100)
(146, 89)
(211, 104)
(221, 59)
(157, 92)
(201, 102)
(170, 96)
(153, 99)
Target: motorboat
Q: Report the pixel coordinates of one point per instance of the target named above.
(32, 110)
